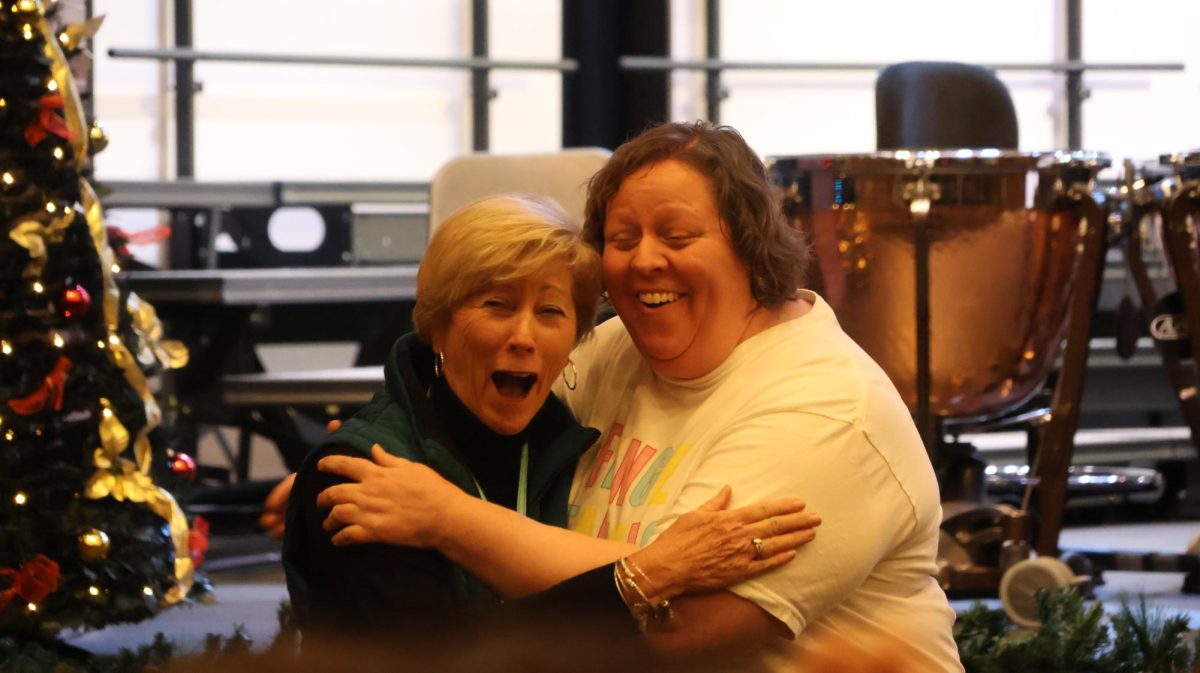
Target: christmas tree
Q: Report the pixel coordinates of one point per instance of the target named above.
(88, 534)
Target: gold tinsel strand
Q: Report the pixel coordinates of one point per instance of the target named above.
(123, 479)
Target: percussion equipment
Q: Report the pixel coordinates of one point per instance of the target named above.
(1171, 190)
(1003, 241)
(960, 272)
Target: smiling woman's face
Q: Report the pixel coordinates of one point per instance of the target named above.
(505, 346)
(672, 273)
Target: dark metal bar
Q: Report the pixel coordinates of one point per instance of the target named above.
(1056, 444)
(192, 55)
(242, 460)
(1142, 561)
(712, 78)
(480, 90)
(1074, 77)
(191, 194)
(570, 82)
(664, 63)
(89, 97)
(924, 416)
(572, 65)
(185, 89)
(277, 286)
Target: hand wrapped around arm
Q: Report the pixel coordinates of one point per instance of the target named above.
(400, 502)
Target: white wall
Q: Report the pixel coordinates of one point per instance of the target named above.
(271, 122)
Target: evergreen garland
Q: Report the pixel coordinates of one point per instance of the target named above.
(1075, 637)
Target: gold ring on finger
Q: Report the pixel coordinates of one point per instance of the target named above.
(758, 546)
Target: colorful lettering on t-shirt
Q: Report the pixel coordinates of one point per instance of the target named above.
(660, 494)
(605, 453)
(636, 458)
(636, 472)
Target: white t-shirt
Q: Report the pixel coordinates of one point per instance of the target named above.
(798, 410)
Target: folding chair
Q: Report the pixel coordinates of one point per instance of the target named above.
(562, 176)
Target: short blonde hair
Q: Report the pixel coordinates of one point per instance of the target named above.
(503, 239)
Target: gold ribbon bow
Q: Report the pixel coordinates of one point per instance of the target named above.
(122, 479)
(169, 353)
(36, 237)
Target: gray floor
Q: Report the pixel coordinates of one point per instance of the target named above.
(250, 596)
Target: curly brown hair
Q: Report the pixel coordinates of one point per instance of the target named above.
(774, 252)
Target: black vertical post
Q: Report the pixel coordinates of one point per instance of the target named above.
(88, 97)
(480, 89)
(591, 102)
(645, 31)
(924, 416)
(602, 105)
(712, 49)
(1075, 77)
(185, 111)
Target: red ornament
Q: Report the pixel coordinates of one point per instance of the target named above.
(184, 466)
(198, 541)
(75, 301)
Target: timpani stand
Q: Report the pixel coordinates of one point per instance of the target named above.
(1169, 193)
(1180, 211)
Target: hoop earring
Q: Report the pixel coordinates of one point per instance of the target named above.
(574, 380)
(439, 365)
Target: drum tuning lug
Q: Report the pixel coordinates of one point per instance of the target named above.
(920, 195)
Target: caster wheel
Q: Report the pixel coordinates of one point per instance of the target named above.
(1022, 581)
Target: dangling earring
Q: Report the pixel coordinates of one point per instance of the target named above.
(570, 383)
(439, 365)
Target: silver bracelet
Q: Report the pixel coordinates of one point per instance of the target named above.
(644, 610)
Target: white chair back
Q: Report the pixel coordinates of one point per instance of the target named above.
(563, 176)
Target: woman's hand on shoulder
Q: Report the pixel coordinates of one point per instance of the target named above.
(713, 547)
(390, 500)
(274, 507)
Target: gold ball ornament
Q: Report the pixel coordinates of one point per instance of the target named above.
(97, 138)
(93, 545)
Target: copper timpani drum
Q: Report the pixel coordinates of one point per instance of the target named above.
(960, 272)
(993, 238)
(993, 235)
